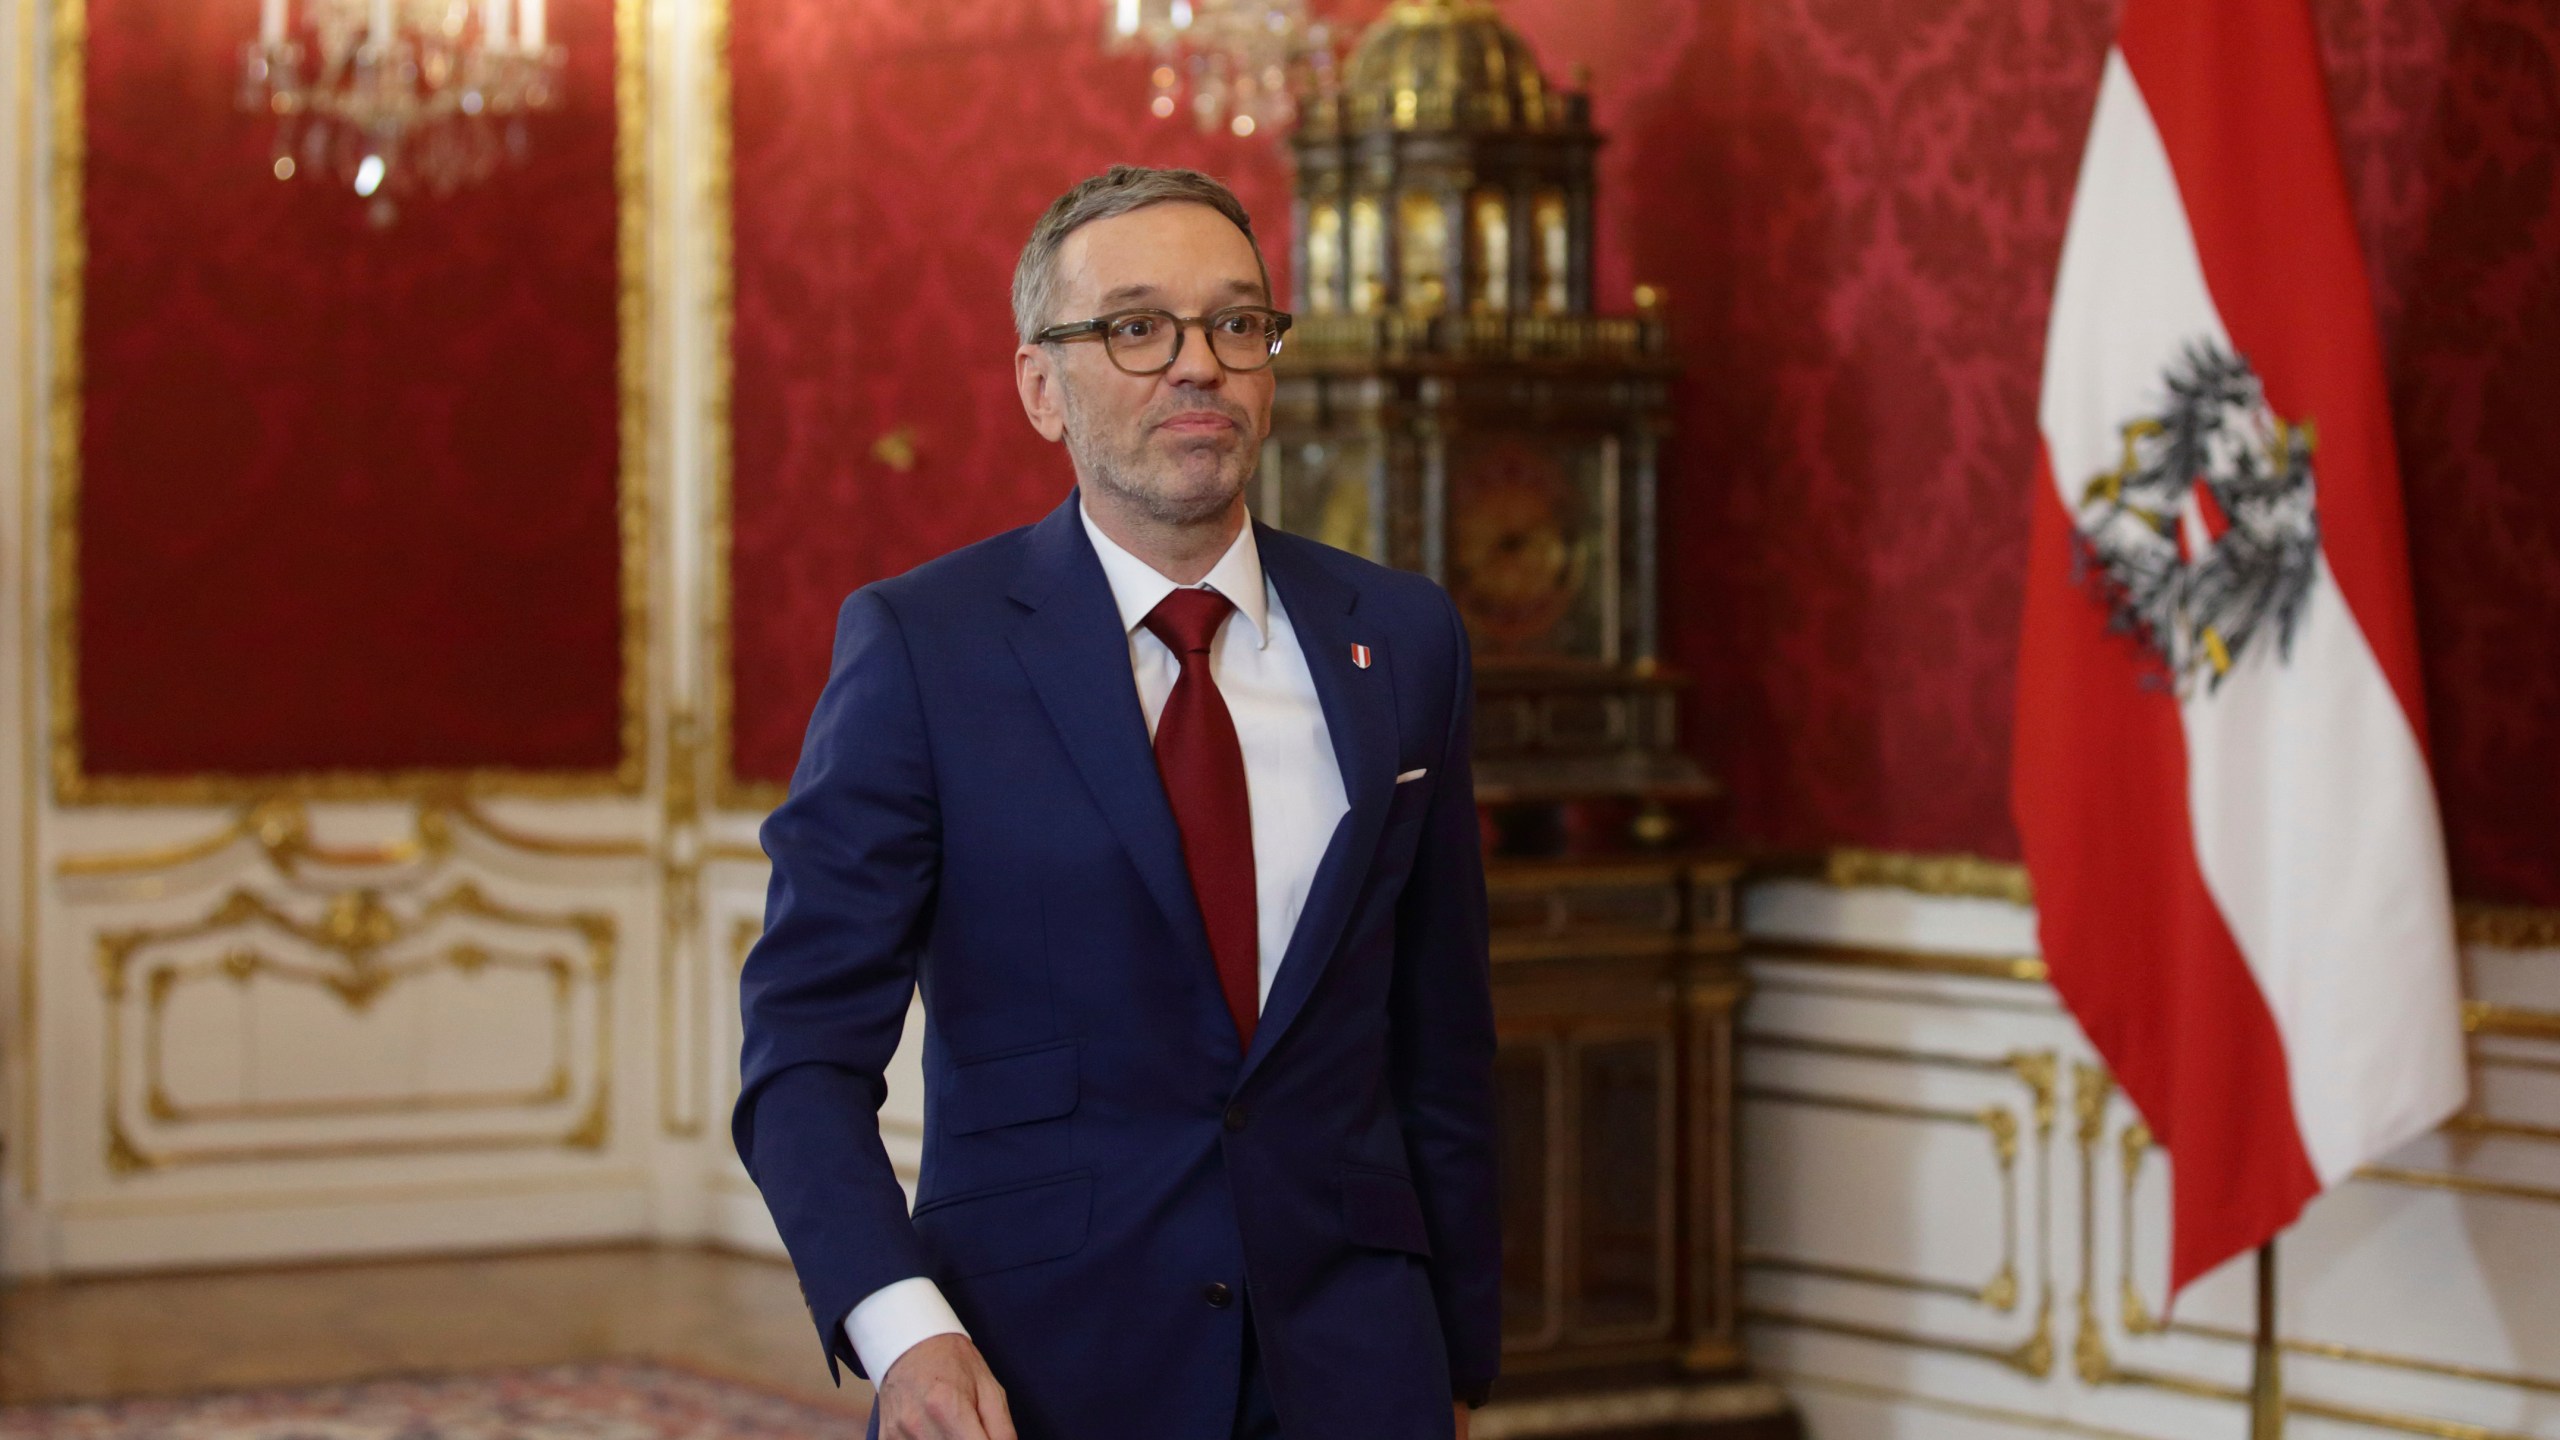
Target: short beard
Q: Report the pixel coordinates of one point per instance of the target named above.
(1121, 472)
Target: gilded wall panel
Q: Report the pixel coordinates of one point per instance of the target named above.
(2407, 1304)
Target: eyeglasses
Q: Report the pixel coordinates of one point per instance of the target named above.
(1147, 342)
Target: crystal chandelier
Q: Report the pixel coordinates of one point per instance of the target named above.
(1244, 61)
(391, 95)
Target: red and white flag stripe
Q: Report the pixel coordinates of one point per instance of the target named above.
(2240, 886)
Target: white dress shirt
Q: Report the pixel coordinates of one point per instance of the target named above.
(1293, 789)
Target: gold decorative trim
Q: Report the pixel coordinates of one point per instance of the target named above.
(2510, 1021)
(2032, 1357)
(2036, 1070)
(1966, 876)
(2044, 1008)
(2490, 926)
(2027, 969)
(2093, 1089)
(728, 790)
(2460, 1184)
(2133, 1146)
(26, 1137)
(683, 1070)
(635, 357)
(1889, 1110)
(1882, 1054)
(2490, 1127)
(357, 928)
(1998, 1295)
(2357, 1355)
(281, 827)
(2508, 927)
(356, 989)
(2096, 1366)
(2397, 1423)
(125, 1157)
(73, 784)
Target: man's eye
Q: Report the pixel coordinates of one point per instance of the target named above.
(1244, 325)
(1136, 327)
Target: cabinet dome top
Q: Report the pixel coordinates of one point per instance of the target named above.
(1447, 65)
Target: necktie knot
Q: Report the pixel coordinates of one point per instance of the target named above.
(1187, 620)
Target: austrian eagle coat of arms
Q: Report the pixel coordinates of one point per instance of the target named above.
(2204, 541)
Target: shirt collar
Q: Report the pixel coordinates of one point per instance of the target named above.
(1138, 587)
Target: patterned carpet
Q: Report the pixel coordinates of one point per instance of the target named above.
(617, 1401)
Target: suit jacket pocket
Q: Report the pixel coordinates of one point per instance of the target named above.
(999, 1230)
(1381, 1211)
(1411, 799)
(1010, 1090)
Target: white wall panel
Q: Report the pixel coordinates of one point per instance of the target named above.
(2417, 1300)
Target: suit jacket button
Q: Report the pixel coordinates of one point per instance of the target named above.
(1218, 1295)
(1235, 1117)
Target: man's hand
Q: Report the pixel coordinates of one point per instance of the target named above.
(941, 1389)
(1462, 1419)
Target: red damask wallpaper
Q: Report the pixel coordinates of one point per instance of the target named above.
(889, 161)
(1856, 207)
(346, 495)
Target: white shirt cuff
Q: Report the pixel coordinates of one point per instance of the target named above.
(892, 1319)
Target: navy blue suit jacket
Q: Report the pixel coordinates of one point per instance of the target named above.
(977, 812)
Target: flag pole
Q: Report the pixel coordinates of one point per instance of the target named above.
(2266, 1361)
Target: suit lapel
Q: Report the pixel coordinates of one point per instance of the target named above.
(1360, 716)
(1072, 646)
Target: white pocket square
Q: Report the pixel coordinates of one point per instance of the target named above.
(1413, 775)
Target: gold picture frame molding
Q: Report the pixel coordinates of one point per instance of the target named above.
(356, 927)
(72, 782)
(1962, 876)
(729, 790)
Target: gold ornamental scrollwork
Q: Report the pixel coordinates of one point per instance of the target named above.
(1968, 876)
(280, 827)
(360, 933)
(357, 990)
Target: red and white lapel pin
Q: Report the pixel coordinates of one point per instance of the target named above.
(1360, 656)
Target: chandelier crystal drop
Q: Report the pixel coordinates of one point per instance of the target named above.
(1244, 63)
(392, 96)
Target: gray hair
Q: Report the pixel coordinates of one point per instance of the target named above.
(1115, 191)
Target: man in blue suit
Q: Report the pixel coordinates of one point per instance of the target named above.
(1170, 816)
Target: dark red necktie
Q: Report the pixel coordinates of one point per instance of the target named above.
(1202, 764)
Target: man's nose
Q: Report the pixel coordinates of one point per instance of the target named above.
(1196, 364)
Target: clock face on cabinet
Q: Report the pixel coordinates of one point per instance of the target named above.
(1528, 545)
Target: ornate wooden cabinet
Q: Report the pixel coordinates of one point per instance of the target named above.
(1615, 985)
(1451, 402)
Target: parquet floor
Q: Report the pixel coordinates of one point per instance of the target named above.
(722, 1314)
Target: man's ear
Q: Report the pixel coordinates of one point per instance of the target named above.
(1035, 376)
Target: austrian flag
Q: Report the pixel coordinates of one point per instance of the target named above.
(2221, 767)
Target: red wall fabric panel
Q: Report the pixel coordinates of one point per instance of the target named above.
(1856, 209)
(889, 161)
(2450, 120)
(347, 496)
